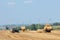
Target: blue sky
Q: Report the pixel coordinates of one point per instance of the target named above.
(29, 11)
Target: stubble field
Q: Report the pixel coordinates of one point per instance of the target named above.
(31, 35)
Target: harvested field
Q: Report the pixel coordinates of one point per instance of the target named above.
(31, 35)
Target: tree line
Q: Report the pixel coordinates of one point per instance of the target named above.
(34, 26)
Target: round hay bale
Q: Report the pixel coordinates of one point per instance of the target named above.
(28, 29)
(39, 30)
(23, 28)
(47, 28)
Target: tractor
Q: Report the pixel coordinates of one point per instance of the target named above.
(15, 30)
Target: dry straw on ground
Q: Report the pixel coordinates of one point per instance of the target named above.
(40, 31)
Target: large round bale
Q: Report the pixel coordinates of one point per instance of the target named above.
(28, 29)
(47, 28)
(23, 28)
(39, 30)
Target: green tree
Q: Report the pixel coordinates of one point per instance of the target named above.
(39, 26)
(7, 28)
(33, 27)
(56, 24)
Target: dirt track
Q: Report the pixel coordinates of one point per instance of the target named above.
(7, 35)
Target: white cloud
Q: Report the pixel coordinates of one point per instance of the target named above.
(12, 0)
(27, 1)
(11, 3)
